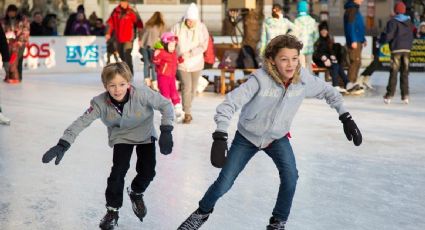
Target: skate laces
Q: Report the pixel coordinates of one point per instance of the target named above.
(137, 202)
(277, 224)
(195, 221)
(110, 216)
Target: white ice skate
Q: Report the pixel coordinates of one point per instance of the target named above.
(178, 110)
(4, 120)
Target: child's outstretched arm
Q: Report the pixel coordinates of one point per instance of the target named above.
(57, 151)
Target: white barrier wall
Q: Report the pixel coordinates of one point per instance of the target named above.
(78, 54)
(69, 54)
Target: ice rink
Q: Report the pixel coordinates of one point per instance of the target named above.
(379, 185)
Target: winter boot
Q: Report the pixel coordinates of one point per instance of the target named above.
(178, 110)
(276, 224)
(4, 120)
(187, 118)
(110, 220)
(195, 220)
(154, 85)
(137, 204)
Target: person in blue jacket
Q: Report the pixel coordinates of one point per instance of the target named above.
(399, 33)
(268, 100)
(354, 30)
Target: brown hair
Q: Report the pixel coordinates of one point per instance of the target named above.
(156, 20)
(279, 42)
(111, 70)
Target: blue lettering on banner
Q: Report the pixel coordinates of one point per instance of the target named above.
(82, 54)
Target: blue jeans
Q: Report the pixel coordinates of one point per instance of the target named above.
(336, 71)
(148, 66)
(238, 156)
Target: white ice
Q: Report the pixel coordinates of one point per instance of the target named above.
(379, 185)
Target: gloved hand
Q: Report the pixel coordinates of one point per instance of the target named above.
(56, 151)
(219, 149)
(166, 139)
(350, 129)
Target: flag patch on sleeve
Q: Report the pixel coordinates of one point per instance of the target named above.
(89, 110)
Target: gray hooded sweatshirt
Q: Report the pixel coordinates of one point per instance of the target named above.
(268, 108)
(134, 126)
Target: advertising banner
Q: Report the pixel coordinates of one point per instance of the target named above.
(67, 54)
(417, 55)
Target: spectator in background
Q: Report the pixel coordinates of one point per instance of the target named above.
(193, 41)
(36, 26)
(92, 20)
(71, 19)
(306, 30)
(151, 34)
(80, 26)
(50, 24)
(421, 31)
(121, 25)
(99, 28)
(398, 33)
(325, 56)
(354, 30)
(4, 49)
(17, 30)
(273, 26)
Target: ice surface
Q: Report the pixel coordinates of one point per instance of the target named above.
(379, 185)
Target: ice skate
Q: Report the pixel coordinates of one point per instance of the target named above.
(110, 220)
(387, 100)
(194, 221)
(137, 204)
(341, 90)
(405, 100)
(178, 111)
(4, 120)
(366, 83)
(276, 224)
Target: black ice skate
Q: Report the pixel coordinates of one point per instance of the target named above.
(110, 220)
(276, 224)
(195, 220)
(137, 204)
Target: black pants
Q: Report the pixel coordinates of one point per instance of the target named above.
(336, 71)
(145, 168)
(124, 50)
(371, 68)
(399, 62)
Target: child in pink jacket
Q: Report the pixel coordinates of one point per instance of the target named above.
(166, 61)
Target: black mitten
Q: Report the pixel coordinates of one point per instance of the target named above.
(56, 151)
(166, 139)
(350, 129)
(219, 149)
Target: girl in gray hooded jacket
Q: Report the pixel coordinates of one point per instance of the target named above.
(269, 100)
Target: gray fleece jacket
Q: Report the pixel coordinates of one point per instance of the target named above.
(268, 108)
(135, 126)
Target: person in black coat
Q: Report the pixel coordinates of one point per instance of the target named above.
(326, 55)
(4, 49)
(36, 26)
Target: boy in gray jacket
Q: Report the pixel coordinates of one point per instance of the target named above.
(128, 114)
(269, 100)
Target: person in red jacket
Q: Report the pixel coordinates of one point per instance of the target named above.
(166, 61)
(121, 25)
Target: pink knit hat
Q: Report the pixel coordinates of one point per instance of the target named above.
(169, 37)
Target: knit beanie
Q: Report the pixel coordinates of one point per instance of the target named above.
(399, 8)
(323, 26)
(192, 12)
(302, 7)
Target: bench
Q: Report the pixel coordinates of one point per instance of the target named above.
(230, 75)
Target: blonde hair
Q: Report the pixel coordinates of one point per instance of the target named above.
(273, 48)
(111, 70)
